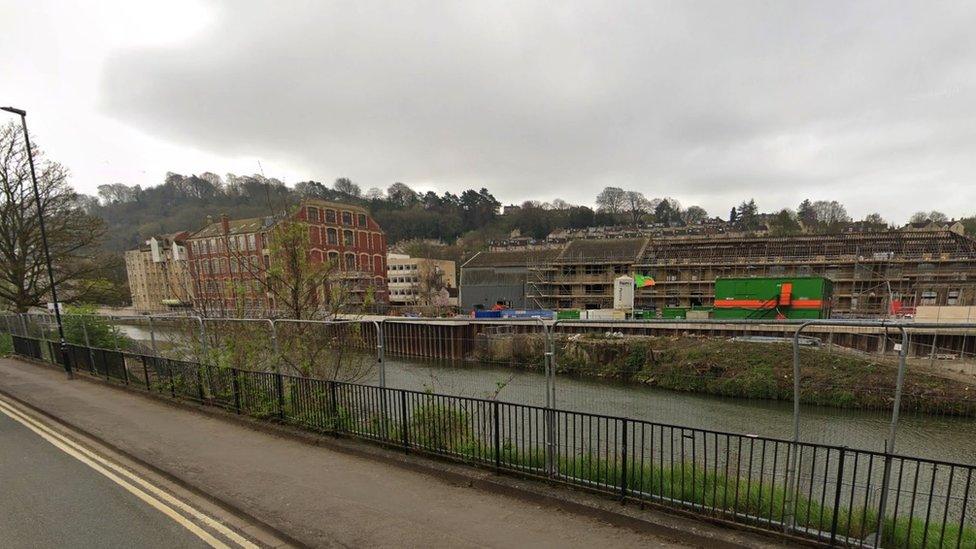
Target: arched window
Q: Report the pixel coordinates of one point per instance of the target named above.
(351, 261)
(333, 236)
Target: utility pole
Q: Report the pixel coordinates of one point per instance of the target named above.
(47, 254)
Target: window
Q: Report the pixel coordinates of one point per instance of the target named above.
(347, 218)
(313, 214)
(241, 242)
(264, 240)
(953, 297)
(350, 261)
(378, 262)
(929, 297)
(213, 245)
(361, 220)
(333, 236)
(251, 242)
(364, 262)
(330, 216)
(348, 238)
(267, 262)
(334, 258)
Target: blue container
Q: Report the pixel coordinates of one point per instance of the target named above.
(487, 314)
(527, 313)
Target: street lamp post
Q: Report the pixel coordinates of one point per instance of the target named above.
(47, 254)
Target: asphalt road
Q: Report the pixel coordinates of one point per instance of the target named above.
(50, 499)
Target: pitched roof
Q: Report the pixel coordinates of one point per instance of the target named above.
(512, 258)
(610, 249)
(235, 226)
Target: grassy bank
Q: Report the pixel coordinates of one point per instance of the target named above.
(719, 366)
(6, 345)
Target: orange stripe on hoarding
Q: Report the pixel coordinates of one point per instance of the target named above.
(760, 304)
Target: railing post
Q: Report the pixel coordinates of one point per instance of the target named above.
(91, 353)
(280, 387)
(235, 384)
(200, 390)
(145, 371)
(172, 380)
(497, 435)
(623, 462)
(837, 493)
(275, 346)
(892, 432)
(152, 335)
(23, 323)
(405, 429)
(381, 365)
(334, 405)
(203, 340)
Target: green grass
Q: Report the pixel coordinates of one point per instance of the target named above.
(6, 345)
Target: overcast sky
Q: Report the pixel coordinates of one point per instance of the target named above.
(871, 104)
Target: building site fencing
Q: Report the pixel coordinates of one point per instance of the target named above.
(831, 494)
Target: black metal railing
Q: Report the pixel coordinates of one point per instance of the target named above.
(834, 495)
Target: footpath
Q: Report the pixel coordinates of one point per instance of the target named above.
(326, 495)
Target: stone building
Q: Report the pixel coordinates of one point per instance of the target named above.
(158, 275)
(421, 281)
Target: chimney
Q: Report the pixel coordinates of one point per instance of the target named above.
(225, 223)
(209, 220)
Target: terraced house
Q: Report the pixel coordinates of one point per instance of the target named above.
(229, 259)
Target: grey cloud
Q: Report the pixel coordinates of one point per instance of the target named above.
(709, 102)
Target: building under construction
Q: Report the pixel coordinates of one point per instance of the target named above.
(873, 273)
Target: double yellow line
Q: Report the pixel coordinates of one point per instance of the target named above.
(134, 484)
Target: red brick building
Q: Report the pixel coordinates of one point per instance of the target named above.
(349, 236)
(228, 258)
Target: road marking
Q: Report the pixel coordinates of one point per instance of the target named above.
(115, 473)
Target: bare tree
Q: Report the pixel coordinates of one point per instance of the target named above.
(637, 205)
(830, 213)
(612, 200)
(345, 185)
(73, 235)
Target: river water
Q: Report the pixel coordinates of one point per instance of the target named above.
(929, 436)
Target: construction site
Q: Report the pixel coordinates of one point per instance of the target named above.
(873, 274)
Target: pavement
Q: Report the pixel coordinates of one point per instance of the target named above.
(311, 495)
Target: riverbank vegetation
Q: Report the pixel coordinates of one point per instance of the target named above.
(719, 366)
(726, 491)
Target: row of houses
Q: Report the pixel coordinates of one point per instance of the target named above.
(224, 266)
(874, 273)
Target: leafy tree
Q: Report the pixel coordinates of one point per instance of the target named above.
(748, 215)
(73, 236)
(807, 215)
(934, 216)
(784, 223)
(733, 215)
(667, 211)
(694, 215)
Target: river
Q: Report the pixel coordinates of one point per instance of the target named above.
(929, 436)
